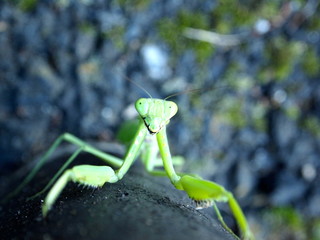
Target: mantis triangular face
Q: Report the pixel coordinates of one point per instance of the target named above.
(156, 113)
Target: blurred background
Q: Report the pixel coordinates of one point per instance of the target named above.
(254, 125)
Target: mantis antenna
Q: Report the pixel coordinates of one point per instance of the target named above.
(193, 91)
(183, 92)
(175, 94)
(138, 85)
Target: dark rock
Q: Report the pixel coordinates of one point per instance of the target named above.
(137, 207)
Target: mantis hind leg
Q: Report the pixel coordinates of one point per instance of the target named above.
(112, 160)
(54, 178)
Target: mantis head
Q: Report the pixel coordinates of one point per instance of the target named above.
(156, 113)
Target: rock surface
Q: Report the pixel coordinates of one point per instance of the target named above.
(139, 206)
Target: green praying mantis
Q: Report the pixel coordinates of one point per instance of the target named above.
(155, 115)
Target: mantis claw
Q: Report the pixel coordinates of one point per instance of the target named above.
(94, 176)
(204, 193)
(202, 190)
(200, 204)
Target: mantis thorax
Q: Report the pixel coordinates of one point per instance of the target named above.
(156, 113)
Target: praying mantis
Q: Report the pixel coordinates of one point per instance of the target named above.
(155, 115)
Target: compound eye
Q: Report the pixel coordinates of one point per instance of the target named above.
(171, 109)
(142, 106)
